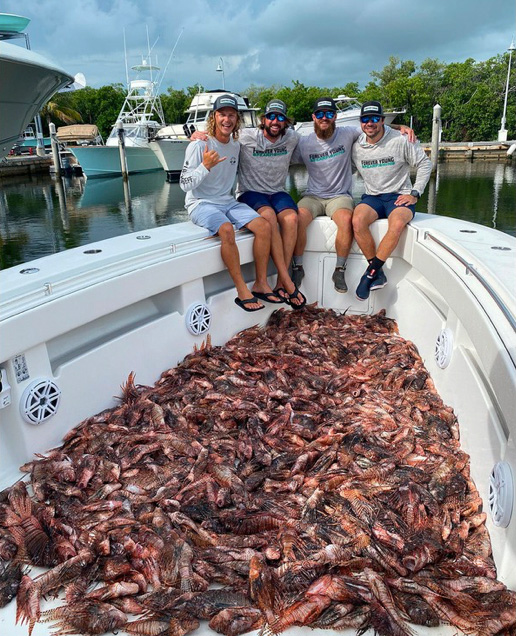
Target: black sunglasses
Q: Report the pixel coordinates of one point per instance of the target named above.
(367, 118)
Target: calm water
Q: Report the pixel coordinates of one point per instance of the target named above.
(39, 216)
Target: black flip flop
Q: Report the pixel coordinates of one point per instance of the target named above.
(294, 295)
(282, 293)
(269, 296)
(242, 304)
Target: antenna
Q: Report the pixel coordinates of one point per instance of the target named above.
(126, 69)
(149, 51)
(170, 57)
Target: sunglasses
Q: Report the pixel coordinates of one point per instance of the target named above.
(329, 114)
(366, 119)
(273, 116)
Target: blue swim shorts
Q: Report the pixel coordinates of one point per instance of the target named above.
(384, 204)
(278, 201)
(212, 215)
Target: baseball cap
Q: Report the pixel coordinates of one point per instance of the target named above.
(276, 106)
(225, 101)
(371, 108)
(324, 103)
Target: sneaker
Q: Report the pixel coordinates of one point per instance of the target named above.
(298, 274)
(379, 280)
(364, 286)
(339, 280)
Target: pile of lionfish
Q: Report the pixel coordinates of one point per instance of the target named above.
(306, 473)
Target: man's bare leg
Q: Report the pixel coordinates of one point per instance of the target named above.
(262, 231)
(231, 258)
(397, 221)
(363, 216)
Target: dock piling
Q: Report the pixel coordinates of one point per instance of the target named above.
(436, 134)
(55, 150)
(121, 148)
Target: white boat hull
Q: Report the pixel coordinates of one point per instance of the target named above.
(104, 161)
(89, 316)
(170, 153)
(27, 82)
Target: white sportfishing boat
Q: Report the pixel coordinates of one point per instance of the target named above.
(74, 325)
(348, 114)
(171, 141)
(27, 81)
(142, 117)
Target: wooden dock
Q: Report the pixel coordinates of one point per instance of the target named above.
(32, 164)
(473, 151)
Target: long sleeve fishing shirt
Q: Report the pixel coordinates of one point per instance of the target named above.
(385, 166)
(211, 186)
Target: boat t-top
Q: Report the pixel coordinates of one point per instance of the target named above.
(141, 116)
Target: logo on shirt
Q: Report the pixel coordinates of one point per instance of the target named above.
(328, 154)
(232, 161)
(272, 152)
(378, 163)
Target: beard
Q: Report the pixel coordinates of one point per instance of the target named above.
(273, 133)
(324, 134)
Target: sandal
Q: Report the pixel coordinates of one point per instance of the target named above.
(295, 296)
(270, 297)
(242, 304)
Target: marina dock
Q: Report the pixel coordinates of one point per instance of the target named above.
(13, 166)
(472, 150)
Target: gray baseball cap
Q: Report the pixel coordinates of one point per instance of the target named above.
(225, 101)
(276, 106)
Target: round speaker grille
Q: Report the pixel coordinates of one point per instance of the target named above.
(40, 401)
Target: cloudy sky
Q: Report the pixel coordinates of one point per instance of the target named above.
(263, 42)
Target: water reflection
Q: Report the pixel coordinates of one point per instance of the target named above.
(44, 216)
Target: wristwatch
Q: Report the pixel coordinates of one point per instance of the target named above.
(415, 193)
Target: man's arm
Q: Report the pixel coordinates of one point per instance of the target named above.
(405, 130)
(199, 160)
(417, 158)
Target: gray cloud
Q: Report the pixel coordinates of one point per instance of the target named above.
(328, 43)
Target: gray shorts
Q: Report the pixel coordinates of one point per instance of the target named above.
(212, 215)
(318, 206)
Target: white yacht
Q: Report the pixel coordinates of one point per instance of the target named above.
(348, 114)
(27, 81)
(142, 116)
(170, 142)
(76, 324)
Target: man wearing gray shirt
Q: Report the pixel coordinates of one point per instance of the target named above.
(384, 158)
(207, 177)
(326, 154)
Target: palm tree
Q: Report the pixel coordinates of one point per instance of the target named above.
(53, 110)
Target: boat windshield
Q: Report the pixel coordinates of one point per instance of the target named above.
(133, 132)
(197, 116)
(347, 103)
